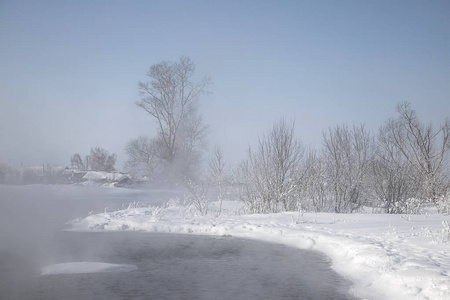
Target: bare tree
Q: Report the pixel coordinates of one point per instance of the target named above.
(348, 154)
(314, 188)
(171, 98)
(144, 156)
(423, 147)
(77, 162)
(216, 172)
(393, 179)
(271, 175)
(101, 160)
(198, 195)
(192, 142)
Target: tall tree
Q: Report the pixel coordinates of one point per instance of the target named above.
(171, 98)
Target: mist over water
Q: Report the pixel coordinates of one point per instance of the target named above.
(169, 266)
(32, 216)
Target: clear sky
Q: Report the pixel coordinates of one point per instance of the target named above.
(69, 69)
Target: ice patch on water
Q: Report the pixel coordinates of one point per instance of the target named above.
(85, 267)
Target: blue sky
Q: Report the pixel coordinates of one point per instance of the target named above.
(69, 69)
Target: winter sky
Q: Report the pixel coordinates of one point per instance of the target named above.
(69, 69)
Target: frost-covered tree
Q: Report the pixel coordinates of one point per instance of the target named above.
(101, 160)
(271, 175)
(171, 98)
(77, 162)
(315, 188)
(423, 147)
(144, 156)
(393, 178)
(197, 195)
(192, 143)
(216, 173)
(347, 153)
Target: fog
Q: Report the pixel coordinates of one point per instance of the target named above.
(70, 70)
(31, 222)
(69, 82)
(32, 215)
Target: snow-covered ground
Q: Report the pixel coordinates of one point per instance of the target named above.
(385, 256)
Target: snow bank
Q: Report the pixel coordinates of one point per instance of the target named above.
(95, 178)
(85, 267)
(99, 176)
(385, 256)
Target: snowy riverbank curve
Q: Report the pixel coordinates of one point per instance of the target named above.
(385, 256)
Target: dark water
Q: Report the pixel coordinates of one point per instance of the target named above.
(169, 266)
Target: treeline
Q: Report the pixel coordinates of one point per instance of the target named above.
(398, 169)
(45, 174)
(99, 159)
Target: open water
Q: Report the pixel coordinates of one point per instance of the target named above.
(170, 266)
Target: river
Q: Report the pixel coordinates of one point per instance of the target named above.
(169, 266)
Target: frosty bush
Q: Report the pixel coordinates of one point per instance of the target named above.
(197, 196)
(411, 206)
(217, 174)
(443, 203)
(441, 236)
(271, 175)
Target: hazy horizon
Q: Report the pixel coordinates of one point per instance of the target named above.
(69, 70)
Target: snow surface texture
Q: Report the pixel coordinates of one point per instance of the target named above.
(385, 256)
(85, 267)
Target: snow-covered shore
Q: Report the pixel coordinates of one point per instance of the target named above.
(385, 256)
